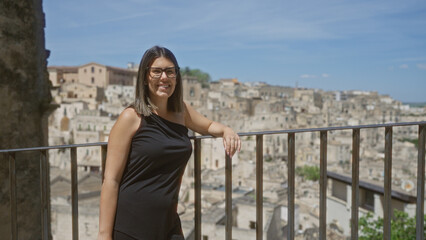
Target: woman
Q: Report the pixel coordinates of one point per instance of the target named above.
(148, 149)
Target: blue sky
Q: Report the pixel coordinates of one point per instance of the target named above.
(331, 45)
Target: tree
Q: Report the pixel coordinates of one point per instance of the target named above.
(202, 77)
(309, 172)
(402, 227)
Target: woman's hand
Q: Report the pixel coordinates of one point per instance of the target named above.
(231, 141)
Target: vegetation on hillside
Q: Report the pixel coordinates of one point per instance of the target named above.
(402, 227)
(309, 172)
(203, 77)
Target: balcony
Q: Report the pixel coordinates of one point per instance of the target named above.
(291, 158)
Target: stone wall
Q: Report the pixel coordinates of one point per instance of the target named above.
(24, 104)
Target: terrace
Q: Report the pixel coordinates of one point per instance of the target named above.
(355, 186)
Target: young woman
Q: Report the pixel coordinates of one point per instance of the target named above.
(148, 149)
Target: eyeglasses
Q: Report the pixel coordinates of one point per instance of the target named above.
(171, 72)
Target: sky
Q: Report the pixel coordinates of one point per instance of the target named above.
(330, 45)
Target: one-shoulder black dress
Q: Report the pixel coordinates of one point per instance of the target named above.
(149, 189)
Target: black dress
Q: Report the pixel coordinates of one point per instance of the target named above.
(149, 189)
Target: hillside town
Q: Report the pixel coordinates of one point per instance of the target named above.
(90, 97)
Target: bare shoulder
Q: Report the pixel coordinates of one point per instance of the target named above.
(128, 121)
(129, 115)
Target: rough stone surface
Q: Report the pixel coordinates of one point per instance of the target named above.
(24, 104)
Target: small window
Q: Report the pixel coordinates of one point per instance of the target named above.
(85, 70)
(93, 69)
(205, 237)
(369, 200)
(252, 225)
(100, 70)
(93, 80)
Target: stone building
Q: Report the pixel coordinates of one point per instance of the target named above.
(371, 200)
(193, 93)
(92, 74)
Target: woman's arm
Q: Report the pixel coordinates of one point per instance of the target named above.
(198, 123)
(118, 150)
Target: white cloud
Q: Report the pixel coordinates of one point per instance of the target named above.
(325, 75)
(421, 66)
(308, 76)
(403, 66)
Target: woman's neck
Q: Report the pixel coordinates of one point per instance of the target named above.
(161, 105)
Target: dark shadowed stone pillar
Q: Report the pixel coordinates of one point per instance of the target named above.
(24, 106)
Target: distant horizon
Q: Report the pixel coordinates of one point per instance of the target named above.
(330, 45)
(422, 102)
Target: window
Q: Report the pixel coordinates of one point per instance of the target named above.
(100, 70)
(93, 69)
(85, 70)
(368, 202)
(205, 237)
(191, 92)
(93, 80)
(252, 225)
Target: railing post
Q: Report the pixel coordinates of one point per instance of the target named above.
(420, 183)
(259, 187)
(291, 188)
(103, 160)
(387, 210)
(197, 186)
(74, 193)
(44, 189)
(323, 185)
(355, 183)
(12, 186)
(228, 197)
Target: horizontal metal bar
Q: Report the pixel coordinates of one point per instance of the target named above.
(240, 134)
(54, 147)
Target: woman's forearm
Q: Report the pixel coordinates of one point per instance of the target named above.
(108, 206)
(217, 129)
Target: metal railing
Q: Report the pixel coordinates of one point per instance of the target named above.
(259, 180)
